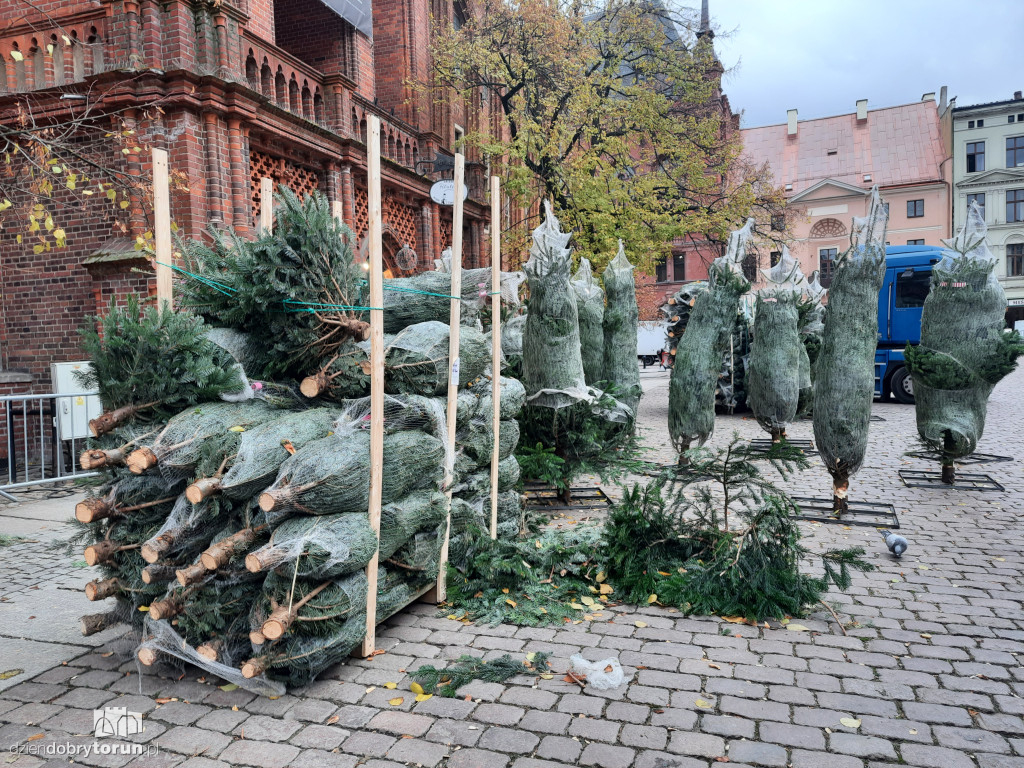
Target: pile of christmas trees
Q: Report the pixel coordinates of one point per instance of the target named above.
(232, 522)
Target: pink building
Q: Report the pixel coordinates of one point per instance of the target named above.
(827, 167)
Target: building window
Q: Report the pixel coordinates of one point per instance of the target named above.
(661, 272)
(1015, 260)
(1009, 118)
(774, 258)
(778, 222)
(1014, 205)
(750, 265)
(1015, 152)
(981, 123)
(976, 156)
(918, 241)
(826, 264)
(679, 266)
(970, 124)
(978, 198)
(915, 209)
(459, 15)
(460, 134)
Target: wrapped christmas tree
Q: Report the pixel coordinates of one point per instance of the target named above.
(621, 319)
(698, 359)
(590, 308)
(811, 316)
(844, 382)
(773, 385)
(965, 349)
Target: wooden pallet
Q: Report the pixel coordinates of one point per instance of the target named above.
(544, 498)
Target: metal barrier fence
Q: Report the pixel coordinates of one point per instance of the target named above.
(43, 435)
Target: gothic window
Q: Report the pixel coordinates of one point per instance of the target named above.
(828, 228)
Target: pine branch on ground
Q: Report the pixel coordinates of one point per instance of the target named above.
(466, 669)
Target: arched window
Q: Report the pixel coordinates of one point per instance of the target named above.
(96, 48)
(77, 58)
(307, 101)
(408, 153)
(318, 108)
(391, 146)
(293, 95)
(38, 66)
(362, 130)
(828, 228)
(3, 75)
(19, 69)
(400, 153)
(281, 90)
(266, 80)
(252, 71)
(58, 61)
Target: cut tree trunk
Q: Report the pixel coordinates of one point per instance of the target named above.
(96, 458)
(202, 489)
(314, 385)
(101, 552)
(148, 655)
(210, 649)
(282, 618)
(164, 609)
(217, 555)
(949, 473)
(254, 667)
(101, 590)
(840, 490)
(191, 574)
(156, 574)
(91, 510)
(256, 637)
(140, 460)
(111, 420)
(97, 622)
(157, 547)
(255, 562)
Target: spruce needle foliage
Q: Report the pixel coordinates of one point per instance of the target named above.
(142, 356)
(719, 538)
(534, 581)
(466, 669)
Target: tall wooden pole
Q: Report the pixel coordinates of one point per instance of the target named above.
(376, 262)
(453, 370)
(162, 231)
(495, 343)
(266, 205)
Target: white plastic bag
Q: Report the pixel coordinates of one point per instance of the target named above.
(601, 675)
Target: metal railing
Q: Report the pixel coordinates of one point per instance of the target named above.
(44, 434)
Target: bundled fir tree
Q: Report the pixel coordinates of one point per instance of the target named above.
(811, 315)
(148, 364)
(844, 382)
(773, 390)
(965, 349)
(621, 319)
(698, 359)
(590, 308)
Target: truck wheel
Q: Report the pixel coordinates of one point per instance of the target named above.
(902, 386)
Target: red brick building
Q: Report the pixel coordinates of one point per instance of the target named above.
(247, 89)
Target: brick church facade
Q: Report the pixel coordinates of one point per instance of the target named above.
(246, 89)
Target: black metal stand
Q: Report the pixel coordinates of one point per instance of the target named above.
(765, 445)
(965, 481)
(545, 498)
(974, 458)
(856, 513)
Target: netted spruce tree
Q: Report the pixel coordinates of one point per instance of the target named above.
(698, 359)
(567, 427)
(811, 313)
(621, 318)
(844, 383)
(773, 384)
(590, 308)
(965, 349)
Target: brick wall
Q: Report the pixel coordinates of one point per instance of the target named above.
(314, 33)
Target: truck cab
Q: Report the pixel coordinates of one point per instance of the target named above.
(908, 272)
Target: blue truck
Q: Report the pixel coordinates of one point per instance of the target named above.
(908, 272)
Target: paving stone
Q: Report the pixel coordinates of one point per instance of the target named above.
(935, 713)
(643, 736)
(508, 740)
(31, 714)
(606, 756)
(440, 706)
(800, 736)
(630, 713)
(934, 757)
(559, 748)
(680, 719)
(262, 754)
(861, 746)
(193, 741)
(477, 758)
(801, 758)
(757, 753)
(418, 752)
(353, 716)
(222, 720)
(318, 758)
(755, 710)
(970, 739)
(368, 744)
(178, 713)
(320, 737)
(545, 722)
(594, 729)
(455, 732)
(531, 698)
(499, 714)
(401, 723)
(698, 744)
(84, 698)
(576, 704)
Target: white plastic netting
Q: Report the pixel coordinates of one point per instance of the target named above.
(621, 319)
(590, 309)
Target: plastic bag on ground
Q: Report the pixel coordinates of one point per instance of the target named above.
(601, 675)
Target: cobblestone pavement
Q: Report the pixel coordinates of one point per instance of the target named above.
(929, 667)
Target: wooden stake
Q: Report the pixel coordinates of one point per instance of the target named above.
(266, 205)
(376, 276)
(495, 343)
(162, 231)
(453, 371)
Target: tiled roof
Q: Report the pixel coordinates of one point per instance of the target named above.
(896, 145)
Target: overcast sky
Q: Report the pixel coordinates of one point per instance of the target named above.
(820, 56)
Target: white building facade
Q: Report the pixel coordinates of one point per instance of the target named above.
(988, 167)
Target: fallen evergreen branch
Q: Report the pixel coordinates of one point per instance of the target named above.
(466, 669)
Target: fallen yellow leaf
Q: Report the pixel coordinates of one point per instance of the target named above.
(703, 704)
(640, 624)
(652, 599)
(577, 606)
(797, 628)
(511, 602)
(600, 577)
(546, 676)
(391, 686)
(416, 688)
(396, 701)
(606, 589)
(849, 722)
(734, 619)
(424, 696)
(587, 600)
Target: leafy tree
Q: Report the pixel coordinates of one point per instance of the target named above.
(610, 111)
